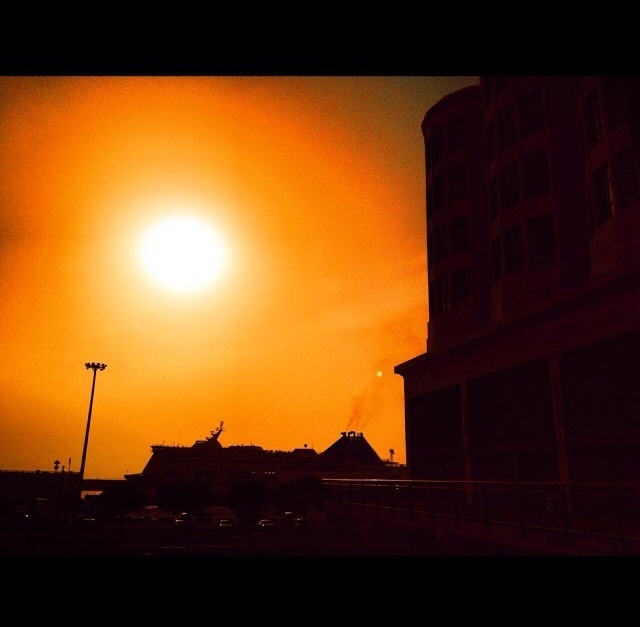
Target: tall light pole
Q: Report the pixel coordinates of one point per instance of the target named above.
(95, 367)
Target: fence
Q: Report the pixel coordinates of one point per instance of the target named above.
(573, 518)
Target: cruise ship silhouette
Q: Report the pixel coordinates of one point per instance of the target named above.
(351, 456)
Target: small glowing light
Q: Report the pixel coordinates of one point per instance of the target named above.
(379, 373)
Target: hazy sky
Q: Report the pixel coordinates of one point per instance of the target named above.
(315, 186)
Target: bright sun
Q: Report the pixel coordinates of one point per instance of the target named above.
(182, 253)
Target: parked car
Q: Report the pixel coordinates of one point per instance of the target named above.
(226, 523)
(20, 515)
(291, 519)
(184, 518)
(266, 523)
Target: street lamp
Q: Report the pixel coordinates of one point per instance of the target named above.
(95, 367)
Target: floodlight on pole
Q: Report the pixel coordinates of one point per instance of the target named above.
(95, 366)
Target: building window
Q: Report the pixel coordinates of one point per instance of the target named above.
(456, 139)
(602, 197)
(442, 294)
(531, 112)
(440, 243)
(513, 249)
(437, 145)
(461, 287)
(542, 240)
(628, 175)
(439, 194)
(496, 259)
(535, 175)
(458, 183)
(509, 187)
(493, 199)
(592, 119)
(460, 234)
(432, 299)
(491, 142)
(506, 126)
(488, 88)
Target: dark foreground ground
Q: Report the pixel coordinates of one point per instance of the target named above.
(153, 539)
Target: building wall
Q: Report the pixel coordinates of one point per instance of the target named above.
(537, 213)
(20, 487)
(458, 268)
(537, 379)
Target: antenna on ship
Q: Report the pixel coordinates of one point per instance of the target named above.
(214, 434)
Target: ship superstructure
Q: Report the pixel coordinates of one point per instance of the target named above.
(351, 456)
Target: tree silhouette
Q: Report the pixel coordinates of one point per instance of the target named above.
(249, 500)
(308, 494)
(120, 498)
(189, 495)
(301, 495)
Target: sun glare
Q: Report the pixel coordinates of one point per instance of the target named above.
(182, 253)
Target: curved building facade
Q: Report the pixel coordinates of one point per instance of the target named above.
(531, 370)
(458, 269)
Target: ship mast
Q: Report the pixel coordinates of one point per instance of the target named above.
(217, 432)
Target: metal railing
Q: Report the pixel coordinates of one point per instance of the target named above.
(572, 518)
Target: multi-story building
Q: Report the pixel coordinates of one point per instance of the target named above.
(532, 362)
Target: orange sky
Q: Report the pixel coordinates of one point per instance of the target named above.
(316, 186)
